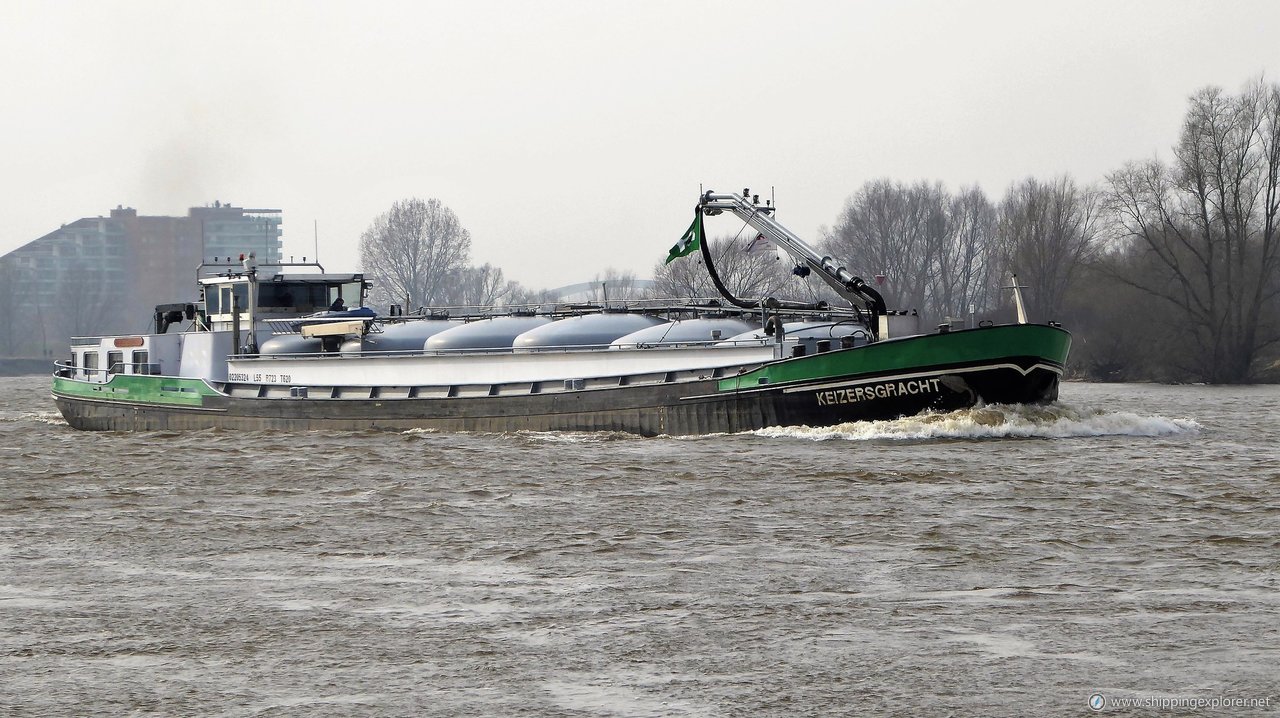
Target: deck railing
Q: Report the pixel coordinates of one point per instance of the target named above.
(68, 370)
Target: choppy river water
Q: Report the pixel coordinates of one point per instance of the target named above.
(994, 561)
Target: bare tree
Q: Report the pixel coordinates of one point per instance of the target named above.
(1207, 227)
(481, 286)
(616, 284)
(1046, 231)
(890, 229)
(414, 252)
(966, 263)
(523, 296)
(747, 274)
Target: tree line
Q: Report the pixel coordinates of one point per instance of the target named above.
(1163, 271)
(949, 256)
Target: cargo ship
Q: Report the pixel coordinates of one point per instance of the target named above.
(294, 348)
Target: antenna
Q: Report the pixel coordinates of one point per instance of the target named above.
(315, 230)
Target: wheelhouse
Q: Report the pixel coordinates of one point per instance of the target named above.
(281, 296)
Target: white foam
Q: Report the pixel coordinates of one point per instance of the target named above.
(418, 432)
(997, 421)
(573, 437)
(52, 418)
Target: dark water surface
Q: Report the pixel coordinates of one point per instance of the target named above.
(987, 562)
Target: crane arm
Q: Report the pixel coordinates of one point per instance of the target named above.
(760, 218)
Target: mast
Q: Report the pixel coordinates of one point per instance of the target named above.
(760, 218)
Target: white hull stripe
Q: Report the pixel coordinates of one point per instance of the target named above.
(916, 375)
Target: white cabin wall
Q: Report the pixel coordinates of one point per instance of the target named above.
(165, 350)
(204, 355)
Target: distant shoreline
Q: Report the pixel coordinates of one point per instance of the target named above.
(21, 366)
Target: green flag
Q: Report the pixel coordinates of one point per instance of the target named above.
(690, 242)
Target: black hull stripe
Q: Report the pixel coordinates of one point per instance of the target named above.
(830, 383)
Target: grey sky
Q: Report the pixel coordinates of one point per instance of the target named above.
(570, 137)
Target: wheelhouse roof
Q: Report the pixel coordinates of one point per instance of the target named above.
(326, 279)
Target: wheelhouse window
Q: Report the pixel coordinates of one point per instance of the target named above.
(284, 296)
(115, 362)
(241, 294)
(140, 360)
(305, 297)
(277, 296)
(217, 297)
(350, 293)
(90, 362)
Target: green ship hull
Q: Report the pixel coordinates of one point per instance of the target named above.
(1019, 363)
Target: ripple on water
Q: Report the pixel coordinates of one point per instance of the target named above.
(999, 560)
